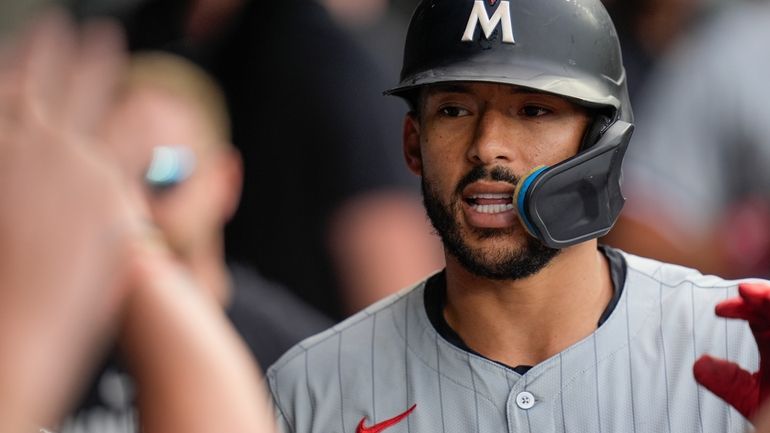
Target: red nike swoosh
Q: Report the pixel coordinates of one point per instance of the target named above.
(377, 428)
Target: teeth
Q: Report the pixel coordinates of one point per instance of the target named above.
(491, 196)
(493, 208)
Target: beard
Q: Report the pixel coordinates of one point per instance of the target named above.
(508, 263)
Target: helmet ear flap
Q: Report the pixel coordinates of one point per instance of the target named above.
(580, 198)
(600, 124)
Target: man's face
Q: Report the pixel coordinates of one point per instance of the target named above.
(188, 213)
(472, 144)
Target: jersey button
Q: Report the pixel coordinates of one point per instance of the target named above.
(525, 400)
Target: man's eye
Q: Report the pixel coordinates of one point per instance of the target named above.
(454, 111)
(534, 111)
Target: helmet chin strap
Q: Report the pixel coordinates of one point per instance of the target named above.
(578, 199)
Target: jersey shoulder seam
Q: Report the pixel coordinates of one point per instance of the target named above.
(690, 277)
(332, 332)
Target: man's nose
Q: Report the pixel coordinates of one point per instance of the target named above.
(492, 141)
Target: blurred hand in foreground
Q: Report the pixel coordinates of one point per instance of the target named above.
(79, 264)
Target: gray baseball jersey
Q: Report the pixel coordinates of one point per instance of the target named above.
(633, 374)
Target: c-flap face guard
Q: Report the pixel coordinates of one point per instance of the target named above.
(580, 198)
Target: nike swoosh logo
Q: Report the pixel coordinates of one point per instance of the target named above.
(377, 428)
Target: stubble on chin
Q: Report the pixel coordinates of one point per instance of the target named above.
(502, 258)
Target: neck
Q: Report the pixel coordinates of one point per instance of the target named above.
(524, 322)
(207, 267)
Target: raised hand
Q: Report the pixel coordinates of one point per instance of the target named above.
(65, 219)
(744, 390)
(79, 263)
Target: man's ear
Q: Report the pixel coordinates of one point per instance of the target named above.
(411, 139)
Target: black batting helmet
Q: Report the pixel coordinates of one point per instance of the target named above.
(565, 47)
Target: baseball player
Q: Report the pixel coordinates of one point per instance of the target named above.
(519, 122)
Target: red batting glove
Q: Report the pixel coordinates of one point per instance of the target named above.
(741, 389)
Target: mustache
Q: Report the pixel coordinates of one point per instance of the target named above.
(497, 174)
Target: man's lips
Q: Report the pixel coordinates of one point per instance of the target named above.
(489, 205)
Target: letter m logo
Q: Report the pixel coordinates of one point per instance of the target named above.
(479, 16)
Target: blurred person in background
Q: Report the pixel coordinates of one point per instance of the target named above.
(173, 116)
(327, 210)
(648, 28)
(697, 176)
(79, 265)
(170, 126)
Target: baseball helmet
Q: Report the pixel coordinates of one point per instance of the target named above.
(568, 48)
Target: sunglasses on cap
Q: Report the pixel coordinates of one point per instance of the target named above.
(170, 166)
